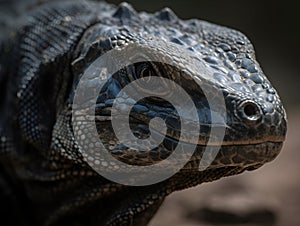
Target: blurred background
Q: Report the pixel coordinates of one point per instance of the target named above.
(269, 196)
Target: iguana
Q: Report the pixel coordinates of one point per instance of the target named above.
(44, 179)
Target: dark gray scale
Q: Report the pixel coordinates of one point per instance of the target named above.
(125, 11)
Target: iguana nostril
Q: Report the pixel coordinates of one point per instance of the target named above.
(250, 112)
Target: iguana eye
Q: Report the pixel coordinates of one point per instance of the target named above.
(145, 72)
(149, 78)
(149, 83)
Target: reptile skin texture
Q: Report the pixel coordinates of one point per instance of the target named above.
(44, 179)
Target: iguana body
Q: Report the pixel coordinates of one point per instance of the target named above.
(44, 178)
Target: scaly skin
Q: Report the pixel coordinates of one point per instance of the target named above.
(44, 179)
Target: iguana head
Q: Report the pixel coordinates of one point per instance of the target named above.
(202, 58)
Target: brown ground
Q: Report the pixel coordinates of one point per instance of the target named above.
(275, 187)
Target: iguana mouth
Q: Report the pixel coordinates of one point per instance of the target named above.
(229, 154)
(232, 143)
(270, 139)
